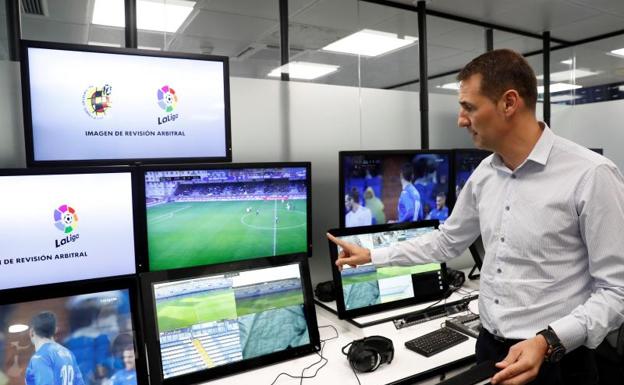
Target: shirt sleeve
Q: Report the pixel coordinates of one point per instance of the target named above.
(600, 206)
(406, 207)
(41, 372)
(452, 239)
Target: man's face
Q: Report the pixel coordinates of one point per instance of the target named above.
(128, 359)
(348, 203)
(440, 201)
(479, 115)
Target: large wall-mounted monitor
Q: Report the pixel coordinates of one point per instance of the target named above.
(368, 288)
(99, 105)
(70, 334)
(65, 225)
(210, 322)
(211, 214)
(378, 187)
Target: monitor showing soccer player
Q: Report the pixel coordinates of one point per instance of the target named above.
(225, 321)
(65, 225)
(466, 161)
(226, 213)
(380, 187)
(75, 340)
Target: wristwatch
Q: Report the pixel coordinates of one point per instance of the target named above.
(556, 350)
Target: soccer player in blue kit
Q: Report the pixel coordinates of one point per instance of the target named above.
(409, 208)
(126, 376)
(52, 363)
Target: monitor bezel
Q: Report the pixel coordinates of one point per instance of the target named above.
(341, 177)
(74, 288)
(337, 278)
(152, 341)
(142, 235)
(27, 106)
(89, 170)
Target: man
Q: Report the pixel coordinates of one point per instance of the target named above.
(409, 208)
(551, 214)
(51, 364)
(357, 214)
(126, 376)
(375, 205)
(440, 212)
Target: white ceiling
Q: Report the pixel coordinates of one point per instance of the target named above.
(248, 32)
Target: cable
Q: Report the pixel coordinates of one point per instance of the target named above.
(321, 359)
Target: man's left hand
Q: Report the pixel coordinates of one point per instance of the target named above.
(522, 362)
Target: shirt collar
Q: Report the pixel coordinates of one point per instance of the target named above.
(540, 152)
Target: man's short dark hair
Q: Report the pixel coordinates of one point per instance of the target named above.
(44, 324)
(502, 70)
(407, 172)
(355, 195)
(441, 195)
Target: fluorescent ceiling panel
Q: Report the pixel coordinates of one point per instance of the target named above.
(370, 43)
(559, 87)
(304, 70)
(163, 16)
(568, 75)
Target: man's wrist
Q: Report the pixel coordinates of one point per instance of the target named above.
(541, 341)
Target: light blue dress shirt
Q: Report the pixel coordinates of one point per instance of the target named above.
(553, 231)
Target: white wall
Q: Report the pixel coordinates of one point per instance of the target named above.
(12, 152)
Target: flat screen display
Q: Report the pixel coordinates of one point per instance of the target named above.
(65, 227)
(69, 340)
(207, 216)
(466, 161)
(378, 187)
(124, 106)
(211, 324)
(368, 288)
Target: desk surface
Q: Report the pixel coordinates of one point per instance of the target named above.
(406, 363)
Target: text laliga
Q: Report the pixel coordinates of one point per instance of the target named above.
(66, 240)
(167, 118)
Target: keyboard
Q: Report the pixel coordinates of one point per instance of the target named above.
(474, 375)
(435, 342)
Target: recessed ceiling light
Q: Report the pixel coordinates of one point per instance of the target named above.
(568, 75)
(304, 70)
(149, 48)
(164, 16)
(559, 87)
(18, 328)
(449, 86)
(368, 42)
(618, 52)
(102, 44)
(567, 62)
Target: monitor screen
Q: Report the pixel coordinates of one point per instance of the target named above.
(466, 161)
(74, 340)
(65, 226)
(378, 187)
(123, 105)
(204, 216)
(368, 289)
(218, 323)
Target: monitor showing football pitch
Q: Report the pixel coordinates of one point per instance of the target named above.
(209, 323)
(216, 214)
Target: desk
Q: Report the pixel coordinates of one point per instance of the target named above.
(407, 366)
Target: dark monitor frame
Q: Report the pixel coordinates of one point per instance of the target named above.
(153, 344)
(141, 208)
(341, 177)
(337, 278)
(91, 170)
(27, 107)
(69, 289)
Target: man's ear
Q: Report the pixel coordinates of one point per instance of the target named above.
(510, 102)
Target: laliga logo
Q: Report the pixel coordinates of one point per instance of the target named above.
(66, 220)
(97, 101)
(167, 100)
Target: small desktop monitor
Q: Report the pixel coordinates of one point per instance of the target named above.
(209, 322)
(100, 105)
(378, 187)
(368, 289)
(65, 225)
(221, 213)
(72, 334)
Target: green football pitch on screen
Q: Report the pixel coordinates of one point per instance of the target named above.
(185, 234)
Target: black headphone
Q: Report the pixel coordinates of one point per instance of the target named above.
(367, 354)
(325, 291)
(455, 278)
